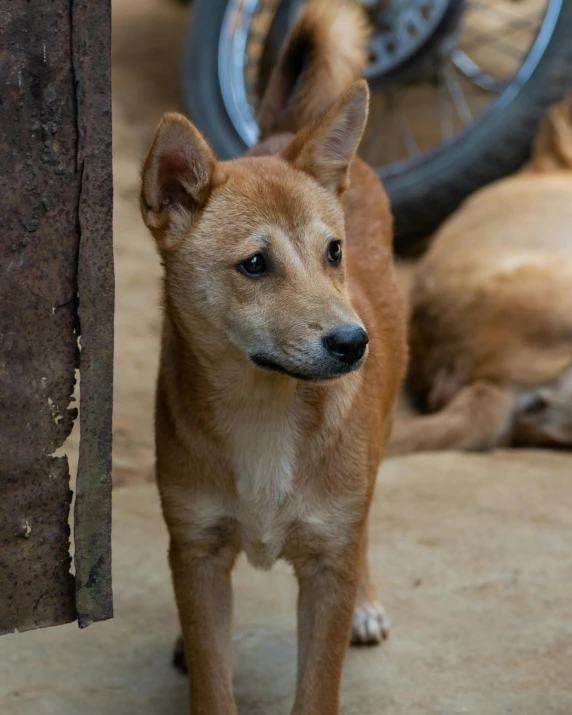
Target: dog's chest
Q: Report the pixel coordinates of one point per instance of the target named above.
(264, 456)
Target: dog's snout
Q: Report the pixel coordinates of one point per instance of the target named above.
(347, 343)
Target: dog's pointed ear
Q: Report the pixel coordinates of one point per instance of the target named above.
(176, 179)
(325, 149)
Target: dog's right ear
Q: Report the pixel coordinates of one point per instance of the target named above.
(176, 179)
(325, 149)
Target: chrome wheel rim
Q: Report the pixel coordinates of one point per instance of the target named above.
(496, 48)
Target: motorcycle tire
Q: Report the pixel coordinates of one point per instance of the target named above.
(425, 191)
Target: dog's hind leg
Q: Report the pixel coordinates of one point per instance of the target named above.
(370, 625)
(479, 417)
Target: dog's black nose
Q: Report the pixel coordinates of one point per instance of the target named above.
(347, 343)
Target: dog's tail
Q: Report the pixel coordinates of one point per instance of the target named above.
(479, 417)
(325, 51)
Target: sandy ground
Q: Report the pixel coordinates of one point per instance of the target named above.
(474, 558)
(473, 553)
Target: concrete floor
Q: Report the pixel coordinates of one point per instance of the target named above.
(473, 554)
(474, 558)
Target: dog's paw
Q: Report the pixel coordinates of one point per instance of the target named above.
(179, 660)
(370, 625)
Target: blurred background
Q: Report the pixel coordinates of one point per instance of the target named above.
(457, 88)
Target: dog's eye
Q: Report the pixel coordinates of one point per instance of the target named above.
(334, 252)
(254, 266)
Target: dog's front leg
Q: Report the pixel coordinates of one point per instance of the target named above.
(204, 597)
(327, 594)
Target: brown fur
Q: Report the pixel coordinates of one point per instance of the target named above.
(258, 461)
(491, 321)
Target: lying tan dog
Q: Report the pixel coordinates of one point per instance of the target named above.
(491, 320)
(283, 349)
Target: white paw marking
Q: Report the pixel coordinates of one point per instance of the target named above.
(370, 625)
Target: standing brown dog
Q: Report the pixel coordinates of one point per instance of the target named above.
(283, 349)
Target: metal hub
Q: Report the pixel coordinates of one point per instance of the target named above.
(401, 31)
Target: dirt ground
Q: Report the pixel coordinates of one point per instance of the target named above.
(473, 554)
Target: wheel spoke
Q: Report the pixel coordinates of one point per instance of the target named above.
(482, 39)
(407, 136)
(474, 74)
(503, 15)
(445, 113)
(457, 95)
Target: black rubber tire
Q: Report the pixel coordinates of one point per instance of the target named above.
(423, 195)
(201, 88)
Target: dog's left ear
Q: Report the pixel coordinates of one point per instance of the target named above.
(325, 150)
(176, 180)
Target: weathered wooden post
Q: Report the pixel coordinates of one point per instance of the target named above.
(56, 309)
